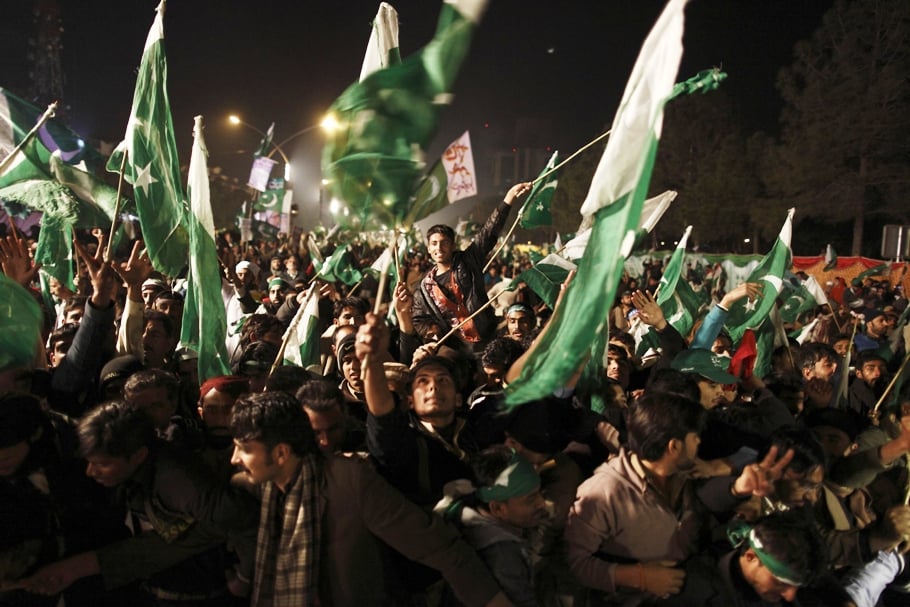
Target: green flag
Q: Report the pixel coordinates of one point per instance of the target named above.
(800, 297)
(382, 48)
(830, 258)
(882, 268)
(204, 326)
(546, 277)
(386, 121)
(20, 325)
(151, 165)
(265, 144)
(535, 212)
(339, 267)
(616, 197)
(272, 199)
(302, 335)
(749, 314)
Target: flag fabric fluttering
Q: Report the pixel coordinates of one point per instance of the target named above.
(266, 142)
(152, 166)
(545, 277)
(451, 178)
(382, 48)
(616, 198)
(799, 298)
(536, 211)
(21, 321)
(204, 325)
(373, 159)
(302, 337)
(749, 314)
(339, 267)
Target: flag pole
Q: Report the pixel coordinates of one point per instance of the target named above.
(279, 359)
(890, 386)
(383, 279)
(539, 178)
(471, 317)
(110, 240)
(47, 115)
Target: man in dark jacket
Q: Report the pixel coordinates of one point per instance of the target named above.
(454, 288)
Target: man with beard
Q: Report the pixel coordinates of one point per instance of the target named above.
(642, 511)
(869, 383)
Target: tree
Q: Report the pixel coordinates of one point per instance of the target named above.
(845, 140)
(703, 155)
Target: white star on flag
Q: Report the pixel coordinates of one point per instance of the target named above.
(144, 178)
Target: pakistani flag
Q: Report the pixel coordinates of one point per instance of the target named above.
(204, 326)
(339, 267)
(536, 210)
(545, 277)
(272, 199)
(880, 269)
(265, 143)
(302, 345)
(801, 297)
(746, 314)
(386, 121)
(616, 198)
(382, 48)
(151, 165)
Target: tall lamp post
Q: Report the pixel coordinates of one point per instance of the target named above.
(327, 124)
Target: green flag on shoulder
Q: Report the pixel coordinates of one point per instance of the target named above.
(204, 325)
(151, 165)
(339, 267)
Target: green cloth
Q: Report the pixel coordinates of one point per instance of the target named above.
(20, 325)
(152, 166)
(615, 199)
(536, 212)
(339, 267)
(518, 479)
(749, 314)
(204, 325)
(386, 121)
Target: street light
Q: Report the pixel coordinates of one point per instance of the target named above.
(234, 119)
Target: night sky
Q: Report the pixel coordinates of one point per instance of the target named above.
(539, 73)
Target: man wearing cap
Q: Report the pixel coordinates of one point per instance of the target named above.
(520, 321)
(492, 516)
(875, 334)
(454, 288)
(710, 371)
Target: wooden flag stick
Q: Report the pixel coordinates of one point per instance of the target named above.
(47, 115)
(890, 386)
(110, 240)
(533, 183)
(383, 280)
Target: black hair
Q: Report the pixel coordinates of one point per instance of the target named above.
(259, 325)
(655, 419)
(160, 317)
(501, 352)
(273, 418)
(792, 538)
(807, 451)
(67, 331)
(116, 429)
(151, 378)
(359, 304)
(489, 464)
(671, 381)
(255, 357)
(433, 361)
(813, 352)
(169, 295)
(443, 229)
(320, 395)
(288, 378)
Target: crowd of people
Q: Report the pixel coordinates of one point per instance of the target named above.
(394, 473)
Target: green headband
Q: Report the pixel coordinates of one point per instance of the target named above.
(741, 532)
(518, 479)
(277, 282)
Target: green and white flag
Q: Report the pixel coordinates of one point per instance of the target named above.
(801, 298)
(272, 199)
(830, 258)
(382, 48)
(746, 314)
(152, 166)
(535, 212)
(339, 267)
(374, 158)
(302, 347)
(204, 326)
(616, 198)
(545, 277)
(20, 325)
